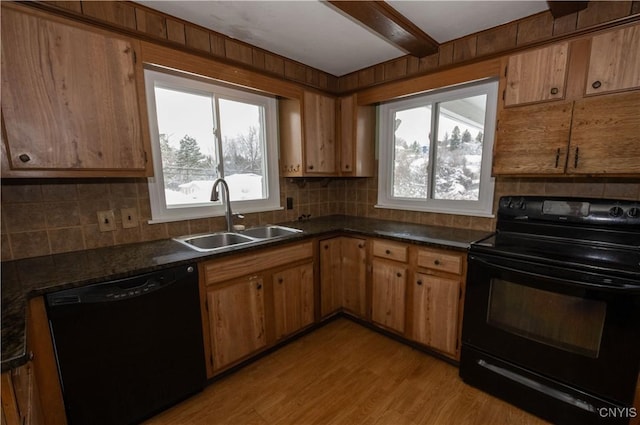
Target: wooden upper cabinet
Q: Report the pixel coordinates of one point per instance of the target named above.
(71, 99)
(532, 139)
(537, 76)
(357, 137)
(604, 135)
(614, 62)
(307, 136)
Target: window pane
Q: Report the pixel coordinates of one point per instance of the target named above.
(459, 148)
(243, 147)
(187, 146)
(411, 152)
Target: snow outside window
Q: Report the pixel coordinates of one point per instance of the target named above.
(436, 149)
(201, 131)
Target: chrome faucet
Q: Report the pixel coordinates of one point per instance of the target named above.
(226, 201)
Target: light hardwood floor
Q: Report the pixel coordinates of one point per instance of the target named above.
(344, 373)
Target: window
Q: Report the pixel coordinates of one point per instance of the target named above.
(448, 173)
(201, 131)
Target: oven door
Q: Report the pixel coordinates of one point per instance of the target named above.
(581, 329)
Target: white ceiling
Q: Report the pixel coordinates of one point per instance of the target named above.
(317, 34)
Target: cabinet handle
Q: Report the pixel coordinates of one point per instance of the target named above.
(554, 90)
(557, 157)
(596, 84)
(575, 158)
(436, 262)
(419, 282)
(399, 274)
(259, 286)
(24, 157)
(388, 252)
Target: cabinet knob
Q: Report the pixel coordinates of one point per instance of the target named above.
(388, 252)
(360, 245)
(554, 90)
(436, 262)
(399, 274)
(419, 282)
(24, 157)
(311, 167)
(347, 166)
(259, 286)
(280, 280)
(326, 247)
(596, 84)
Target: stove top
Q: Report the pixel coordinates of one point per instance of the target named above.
(591, 234)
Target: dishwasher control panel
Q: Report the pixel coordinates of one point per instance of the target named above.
(121, 289)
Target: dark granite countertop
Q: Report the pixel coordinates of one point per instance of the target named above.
(27, 278)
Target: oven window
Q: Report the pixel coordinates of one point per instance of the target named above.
(567, 322)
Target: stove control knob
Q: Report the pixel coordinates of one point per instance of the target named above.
(616, 212)
(634, 212)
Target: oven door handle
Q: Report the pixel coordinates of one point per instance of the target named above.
(610, 287)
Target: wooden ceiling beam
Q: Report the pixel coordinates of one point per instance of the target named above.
(390, 24)
(559, 9)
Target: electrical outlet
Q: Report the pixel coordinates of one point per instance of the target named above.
(129, 217)
(289, 203)
(106, 221)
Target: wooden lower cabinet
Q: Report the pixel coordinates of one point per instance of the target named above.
(293, 299)
(20, 399)
(236, 320)
(343, 275)
(389, 281)
(435, 304)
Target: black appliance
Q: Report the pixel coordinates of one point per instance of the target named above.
(552, 309)
(130, 348)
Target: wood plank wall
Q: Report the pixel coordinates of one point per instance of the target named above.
(535, 29)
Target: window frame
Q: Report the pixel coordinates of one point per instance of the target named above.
(178, 80)
(386, 111)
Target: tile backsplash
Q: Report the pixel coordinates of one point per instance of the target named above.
(48, 216)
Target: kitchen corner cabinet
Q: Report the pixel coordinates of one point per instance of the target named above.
(343, 276)
(253, 300)
(357, 137)
(307, 136)
(436, 297)
(389, 282)
(20, 400)
(72, 99)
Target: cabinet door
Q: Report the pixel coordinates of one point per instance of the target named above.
(319, 133)
(330, 276)
(388, 294)
(604, 135)
(533, 139)
(236, 320)
(354, 275)
(69, 97)
(347, 133)
(435, 312)
(537, 75)
(614, 63)
(290, 120)
(293, 299)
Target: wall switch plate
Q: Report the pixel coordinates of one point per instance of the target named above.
(106, 221)
(129, 217)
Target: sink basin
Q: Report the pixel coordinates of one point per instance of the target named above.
(219, 240)
(214, 241)
(269, 232)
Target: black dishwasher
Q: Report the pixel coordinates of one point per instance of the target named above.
(128, 349)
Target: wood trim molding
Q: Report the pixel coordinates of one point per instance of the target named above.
(563, 8)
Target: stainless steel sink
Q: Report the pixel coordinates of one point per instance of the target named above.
(214, 241)
(220, 240)
(270, 232)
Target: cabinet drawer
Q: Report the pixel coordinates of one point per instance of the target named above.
(440, 260)
(390, 250)
(216, 271)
